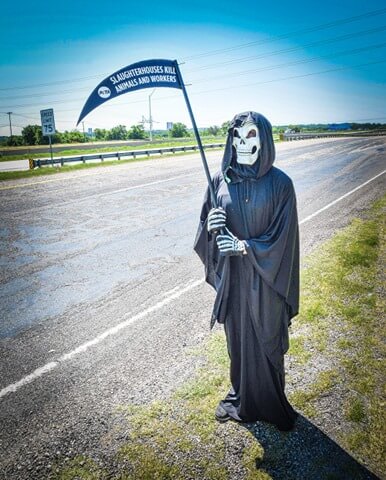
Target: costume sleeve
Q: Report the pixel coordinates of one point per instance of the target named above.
(204, 244)
(275, 254)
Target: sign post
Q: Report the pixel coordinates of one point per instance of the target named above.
(48, 126)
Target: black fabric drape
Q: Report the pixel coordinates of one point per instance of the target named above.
(256, 294)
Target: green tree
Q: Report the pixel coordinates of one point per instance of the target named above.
(32, 135)
(74, 136)
(14, 141)
(137, 132)
(225, 127)
(101, 134)
(118, 133)
(179, 130)
(214, 130)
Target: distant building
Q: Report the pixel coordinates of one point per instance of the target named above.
(339, 126)
(169, 125)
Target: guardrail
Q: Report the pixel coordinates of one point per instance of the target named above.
(117, 155)
(304, 136)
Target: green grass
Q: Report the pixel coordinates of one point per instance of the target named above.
(343, 305)
(107, 149)
(298, 350)
(355, 410)
(80, 467)
(304, 399)
(180, 438)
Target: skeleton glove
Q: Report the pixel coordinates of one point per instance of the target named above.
(216, 219)
(229, 245)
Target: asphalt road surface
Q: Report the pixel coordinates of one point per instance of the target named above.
(102, 296)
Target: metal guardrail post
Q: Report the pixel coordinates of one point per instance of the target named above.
(120, 155)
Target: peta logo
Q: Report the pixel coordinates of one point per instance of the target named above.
(104, 92)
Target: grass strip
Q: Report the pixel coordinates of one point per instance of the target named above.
(12, 175)
(106, 149)
(38, 172)
(343, 311)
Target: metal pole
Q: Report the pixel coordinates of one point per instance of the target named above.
(84, 134)
(150, 118)
(10, 122)
(52, 158)
(195, 129)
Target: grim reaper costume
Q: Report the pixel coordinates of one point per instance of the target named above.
(250, 249)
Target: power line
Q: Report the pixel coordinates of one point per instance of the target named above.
(293, 49)
(47, 94)
(296, 62)
(367, 119)
(56, 102)
(244, 85)
(291, 34)
(291, 77)
(59, 82)
(255, 57)
(223, 50)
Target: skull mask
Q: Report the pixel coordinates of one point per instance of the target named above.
(247, 143)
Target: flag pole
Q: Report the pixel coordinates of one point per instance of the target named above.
(202, 153)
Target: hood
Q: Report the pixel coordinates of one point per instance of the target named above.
(235, 172)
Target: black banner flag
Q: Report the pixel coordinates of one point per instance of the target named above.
(145, 74)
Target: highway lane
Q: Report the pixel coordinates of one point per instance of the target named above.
(85, 252)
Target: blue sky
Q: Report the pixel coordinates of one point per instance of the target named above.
(237, 56)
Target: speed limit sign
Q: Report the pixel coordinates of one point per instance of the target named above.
(48, 121)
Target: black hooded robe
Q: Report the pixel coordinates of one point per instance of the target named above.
(257, 294)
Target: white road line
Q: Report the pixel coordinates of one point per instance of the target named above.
(171, 295)
(339, 199)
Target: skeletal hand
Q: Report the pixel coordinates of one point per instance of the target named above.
(230, 245)
(216, 219)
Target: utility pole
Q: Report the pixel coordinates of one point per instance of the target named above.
(84, 133)
(10, 122)
(150, 118)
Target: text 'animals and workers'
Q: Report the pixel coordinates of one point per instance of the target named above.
(143, 75)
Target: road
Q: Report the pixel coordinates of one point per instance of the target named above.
(102, 297)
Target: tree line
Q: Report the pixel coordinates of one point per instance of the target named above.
(32, 134)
